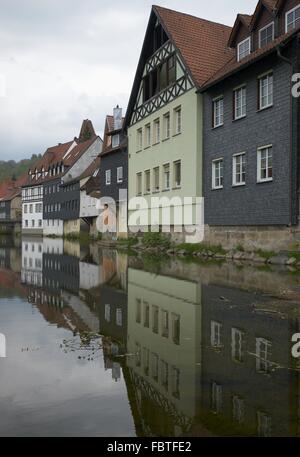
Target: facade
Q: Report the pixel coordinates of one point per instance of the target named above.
(11, 206)
(114, 170)
(164, 117)
(251, 127)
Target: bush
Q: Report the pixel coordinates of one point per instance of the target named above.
(156, 240)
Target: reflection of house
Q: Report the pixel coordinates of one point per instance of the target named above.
(164, 343)
(247, 381)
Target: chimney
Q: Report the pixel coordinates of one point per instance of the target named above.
(117, 118)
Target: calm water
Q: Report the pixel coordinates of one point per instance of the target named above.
(102, 344)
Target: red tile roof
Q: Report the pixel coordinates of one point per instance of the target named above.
(109, 128)
(201, 43)
(233, 65)
(12, 189)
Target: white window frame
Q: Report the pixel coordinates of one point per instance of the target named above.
(293, 10)
(178, 120)
(271, 24)
(260, 79)
(139, 139)
(235, 92)
(221, 115)
(139, 178)
(165, 165)
(147, 175)
(156, 131)
(259, 150)
(108, 177)
(214, 162)
(167, 126)
(175, 163)
(117, 138)
(156, 170)
(147, 135)
(239, 58)
(120, 175)
(234, 169)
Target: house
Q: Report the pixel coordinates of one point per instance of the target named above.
(251, 132)
(114, 170)
(50, 198)
(11, 205)
(164, 118)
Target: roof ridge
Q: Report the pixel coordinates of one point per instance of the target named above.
(191, 15)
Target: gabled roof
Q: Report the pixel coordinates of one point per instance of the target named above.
(200, 43)
(269, 4)
(13, 188)
(241, 19)
(78, 151)
(108, 130)
(89, 172)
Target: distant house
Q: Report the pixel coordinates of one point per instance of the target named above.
(50, 204)
(114, 170)
(11, 202)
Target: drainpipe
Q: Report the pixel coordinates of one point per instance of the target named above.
(294, 137)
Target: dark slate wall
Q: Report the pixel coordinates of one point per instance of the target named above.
(68, 197)
(111, 162)
(253, 204)
(5, 210)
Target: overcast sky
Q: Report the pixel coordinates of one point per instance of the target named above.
(67, 60)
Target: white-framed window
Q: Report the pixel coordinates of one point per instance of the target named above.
(147, 182)
(240, 101)
(139, 139)
(237, 345)
(108, 177)
(239, 169)
(25, 209)
(167, 123)
(40, 223)
(265, 164)
(263, 355)
(156, 137)
(266, 91)
(166, 175)
(177, 174)
(292, 19)
(156, 185)
(107, 313)
(177, 120)
(115, 141)
(264, 425)
(218, 112)
(238, 409)
(119, 317)
(139, 184)
(216, 335)
(217, 174)
(148, 135)
(243, 49)
(120, 174)
(266, 35)
(216, 398)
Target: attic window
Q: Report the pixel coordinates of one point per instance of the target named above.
(266, 35)
(244, 49)
(115, 141)
(292, 19)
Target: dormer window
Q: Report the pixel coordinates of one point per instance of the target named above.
(266, 35)
(244, 49)
(292, 19)
(115, 141)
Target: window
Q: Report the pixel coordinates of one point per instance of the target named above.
(265, 164)
(148, 135)
(263, 354)
(147, 182)
(292, 19)
(139, 184)
(239, 101)
(40, 223)
(156, 179)
(237, 345)
(31, 209)
(176, 329)
(264, 425)
(217, 174)
(215, 335)
(178, 120)
(266, 35)
(167, 73)
(239, 170)
(108, 177)
(139, 140)
(154, 366)
(138, 311)
(33, 223)
(120, 174)
(177, 174)
(26, 223)
(155, 319)
(165, 324)
(164, 374)
(115, 141)
(146, 315)
(216, 398)
(175, 382)
(266, 91)
(244, 48)
(156, 138)
(119, 317)
(238, 409)
(107, 313)
(25, 209)
(167, 177)
(167, 126)
(218, 112)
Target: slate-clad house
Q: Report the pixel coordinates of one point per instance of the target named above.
(251, 126)
(164, 115)
(114, 166)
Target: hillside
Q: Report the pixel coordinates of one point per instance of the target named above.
(12, 169)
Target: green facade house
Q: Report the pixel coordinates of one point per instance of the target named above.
(164, 118)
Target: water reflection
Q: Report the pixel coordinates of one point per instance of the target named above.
(175, 349)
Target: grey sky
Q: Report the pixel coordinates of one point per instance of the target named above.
(66, 60)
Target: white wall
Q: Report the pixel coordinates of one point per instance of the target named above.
(53, 227)
(88, 205)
